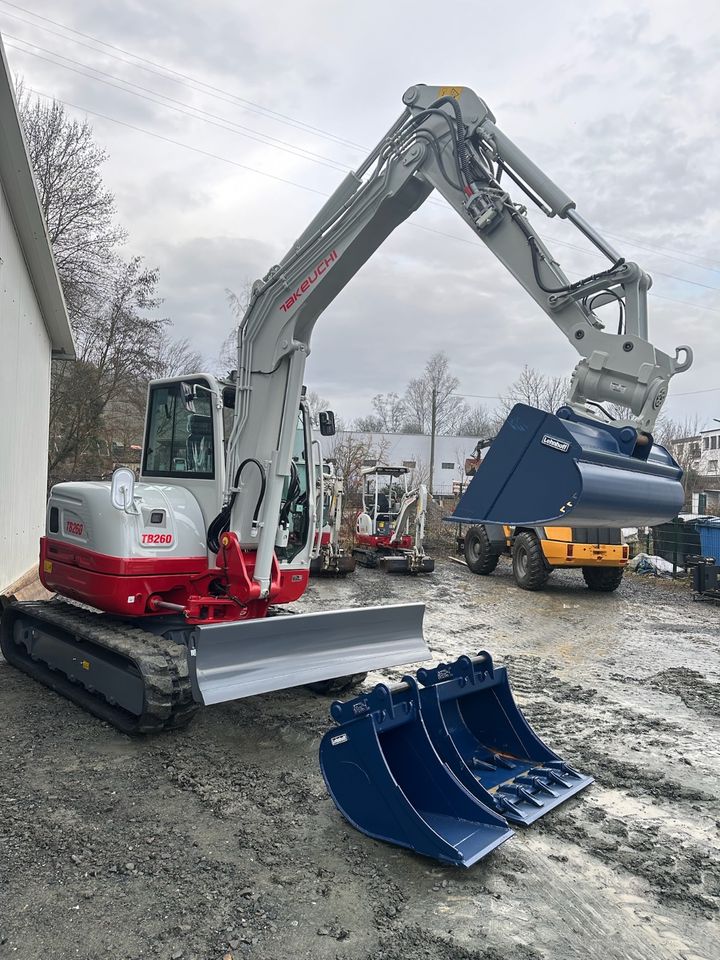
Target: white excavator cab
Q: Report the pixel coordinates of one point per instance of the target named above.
(384, 490)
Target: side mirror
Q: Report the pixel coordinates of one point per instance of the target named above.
(122, 488)
(326, 419)
(187, 392)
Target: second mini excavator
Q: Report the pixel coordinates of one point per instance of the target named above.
(185, 571)
(329, 558)
(382, 528)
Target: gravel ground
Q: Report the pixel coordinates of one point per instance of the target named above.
(220, 841)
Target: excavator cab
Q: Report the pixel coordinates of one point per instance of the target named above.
(384, 489)
(569, 470)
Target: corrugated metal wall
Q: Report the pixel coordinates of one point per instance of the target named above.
(24, 406)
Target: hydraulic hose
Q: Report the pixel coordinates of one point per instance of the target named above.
(221, 523)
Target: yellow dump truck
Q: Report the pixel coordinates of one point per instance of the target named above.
(598, 552)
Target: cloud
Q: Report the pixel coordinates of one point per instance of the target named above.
(617, 104)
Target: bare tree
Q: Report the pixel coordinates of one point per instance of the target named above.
(97, 401)
(238, 304)
(436, 382)
(176, 358)
(351, 452)
(390, 413)
(112, 336)
(370, 423)
(682, 438)
(478, 422)
(79, 210)
(316, 403)
(537, 390)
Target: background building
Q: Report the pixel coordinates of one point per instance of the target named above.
(411, 450)
(700, 458)
(34, 329)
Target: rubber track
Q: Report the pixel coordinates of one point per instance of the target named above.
(168, 702)
(366, 558)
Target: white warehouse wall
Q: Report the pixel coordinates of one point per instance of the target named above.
(24, 405)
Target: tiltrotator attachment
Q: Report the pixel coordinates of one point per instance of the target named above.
(386, 778)
(542, 468)
(476, 727)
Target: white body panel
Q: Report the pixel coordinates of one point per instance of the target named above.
(87, 519)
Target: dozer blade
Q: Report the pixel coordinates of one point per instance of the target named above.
(228, 661)
(543, 468)
(479, 731)
(388, 781)
(406, 564)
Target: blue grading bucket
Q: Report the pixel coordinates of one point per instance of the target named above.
(479, 731)
(385, 777)
(543, 468)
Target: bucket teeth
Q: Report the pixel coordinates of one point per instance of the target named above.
(537, 783)
(521, 792)
(553, 776)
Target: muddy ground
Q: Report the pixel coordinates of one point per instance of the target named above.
(222, 840)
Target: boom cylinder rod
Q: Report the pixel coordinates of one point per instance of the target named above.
(593, 236)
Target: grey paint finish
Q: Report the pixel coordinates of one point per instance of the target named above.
(231, 661)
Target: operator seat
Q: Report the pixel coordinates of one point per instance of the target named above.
(200, 443)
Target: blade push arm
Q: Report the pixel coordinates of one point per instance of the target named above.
(446, 140)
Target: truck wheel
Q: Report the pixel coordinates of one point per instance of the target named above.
(529, 567)
(603, 579)
(337, 684)
(479, 555)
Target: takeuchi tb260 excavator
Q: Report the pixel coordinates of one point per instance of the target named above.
(192, 564)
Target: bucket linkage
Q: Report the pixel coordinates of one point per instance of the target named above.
(443, 766)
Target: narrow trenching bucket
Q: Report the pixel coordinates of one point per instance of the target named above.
(228, 661)
(386, 778)
(478, 730)
(565, 469)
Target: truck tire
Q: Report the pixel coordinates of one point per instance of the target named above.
(479, 555)
(529, 567)
(603, 579)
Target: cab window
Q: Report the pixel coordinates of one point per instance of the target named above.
(179, 441)
(294, 510)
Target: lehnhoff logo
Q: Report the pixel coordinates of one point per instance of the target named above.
(562, 445)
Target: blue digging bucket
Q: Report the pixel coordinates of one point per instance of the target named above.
(543, 468)
(479, 731)
(385, 777)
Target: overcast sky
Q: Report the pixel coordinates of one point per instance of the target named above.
(617, 102)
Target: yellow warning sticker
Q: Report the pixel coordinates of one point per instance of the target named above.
(453, 92)
(85, 664)
(47, 566)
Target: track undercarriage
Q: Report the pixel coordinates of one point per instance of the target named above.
(133, 679)
(393, 561)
